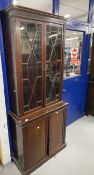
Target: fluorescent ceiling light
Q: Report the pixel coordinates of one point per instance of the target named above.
(69, 39)
(67, 16)
(15, 2)
(74, 33)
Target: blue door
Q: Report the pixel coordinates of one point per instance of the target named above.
(75, 87)
(75, 93)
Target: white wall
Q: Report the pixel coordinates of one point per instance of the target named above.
(4, 138)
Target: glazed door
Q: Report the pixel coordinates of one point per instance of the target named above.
(31, 53)
(56, 131)
(35, 142)
(53, 64)
(41, 71)
(75, 74)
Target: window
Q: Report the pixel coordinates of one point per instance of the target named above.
(73, 52)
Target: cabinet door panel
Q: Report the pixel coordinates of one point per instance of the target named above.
(31, 52)
(53, 63)
(56, 131)
(35, 142)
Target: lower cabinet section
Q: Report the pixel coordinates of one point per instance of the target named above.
(35, 141)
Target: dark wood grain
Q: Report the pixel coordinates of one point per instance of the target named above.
(90, 95)
(35, 146)
(56, 131)
(10, 61)
(90, 98)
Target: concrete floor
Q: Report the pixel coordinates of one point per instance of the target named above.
(76, 159)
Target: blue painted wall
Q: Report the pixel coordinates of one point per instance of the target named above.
(3, 5)
(4, 68)
(55, 7)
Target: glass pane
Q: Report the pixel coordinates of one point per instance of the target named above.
(91, 51)
(91, 57)
(73, 53)
(32, 64)
(53, 62)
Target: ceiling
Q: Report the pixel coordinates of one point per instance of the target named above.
(77, 9)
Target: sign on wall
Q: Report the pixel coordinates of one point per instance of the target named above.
(74, 56)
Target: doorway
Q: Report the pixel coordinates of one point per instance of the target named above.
(74, 85)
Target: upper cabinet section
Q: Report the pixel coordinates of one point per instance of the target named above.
(34, 58)
(29, 13)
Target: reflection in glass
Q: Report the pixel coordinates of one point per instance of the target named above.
(32, 64)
